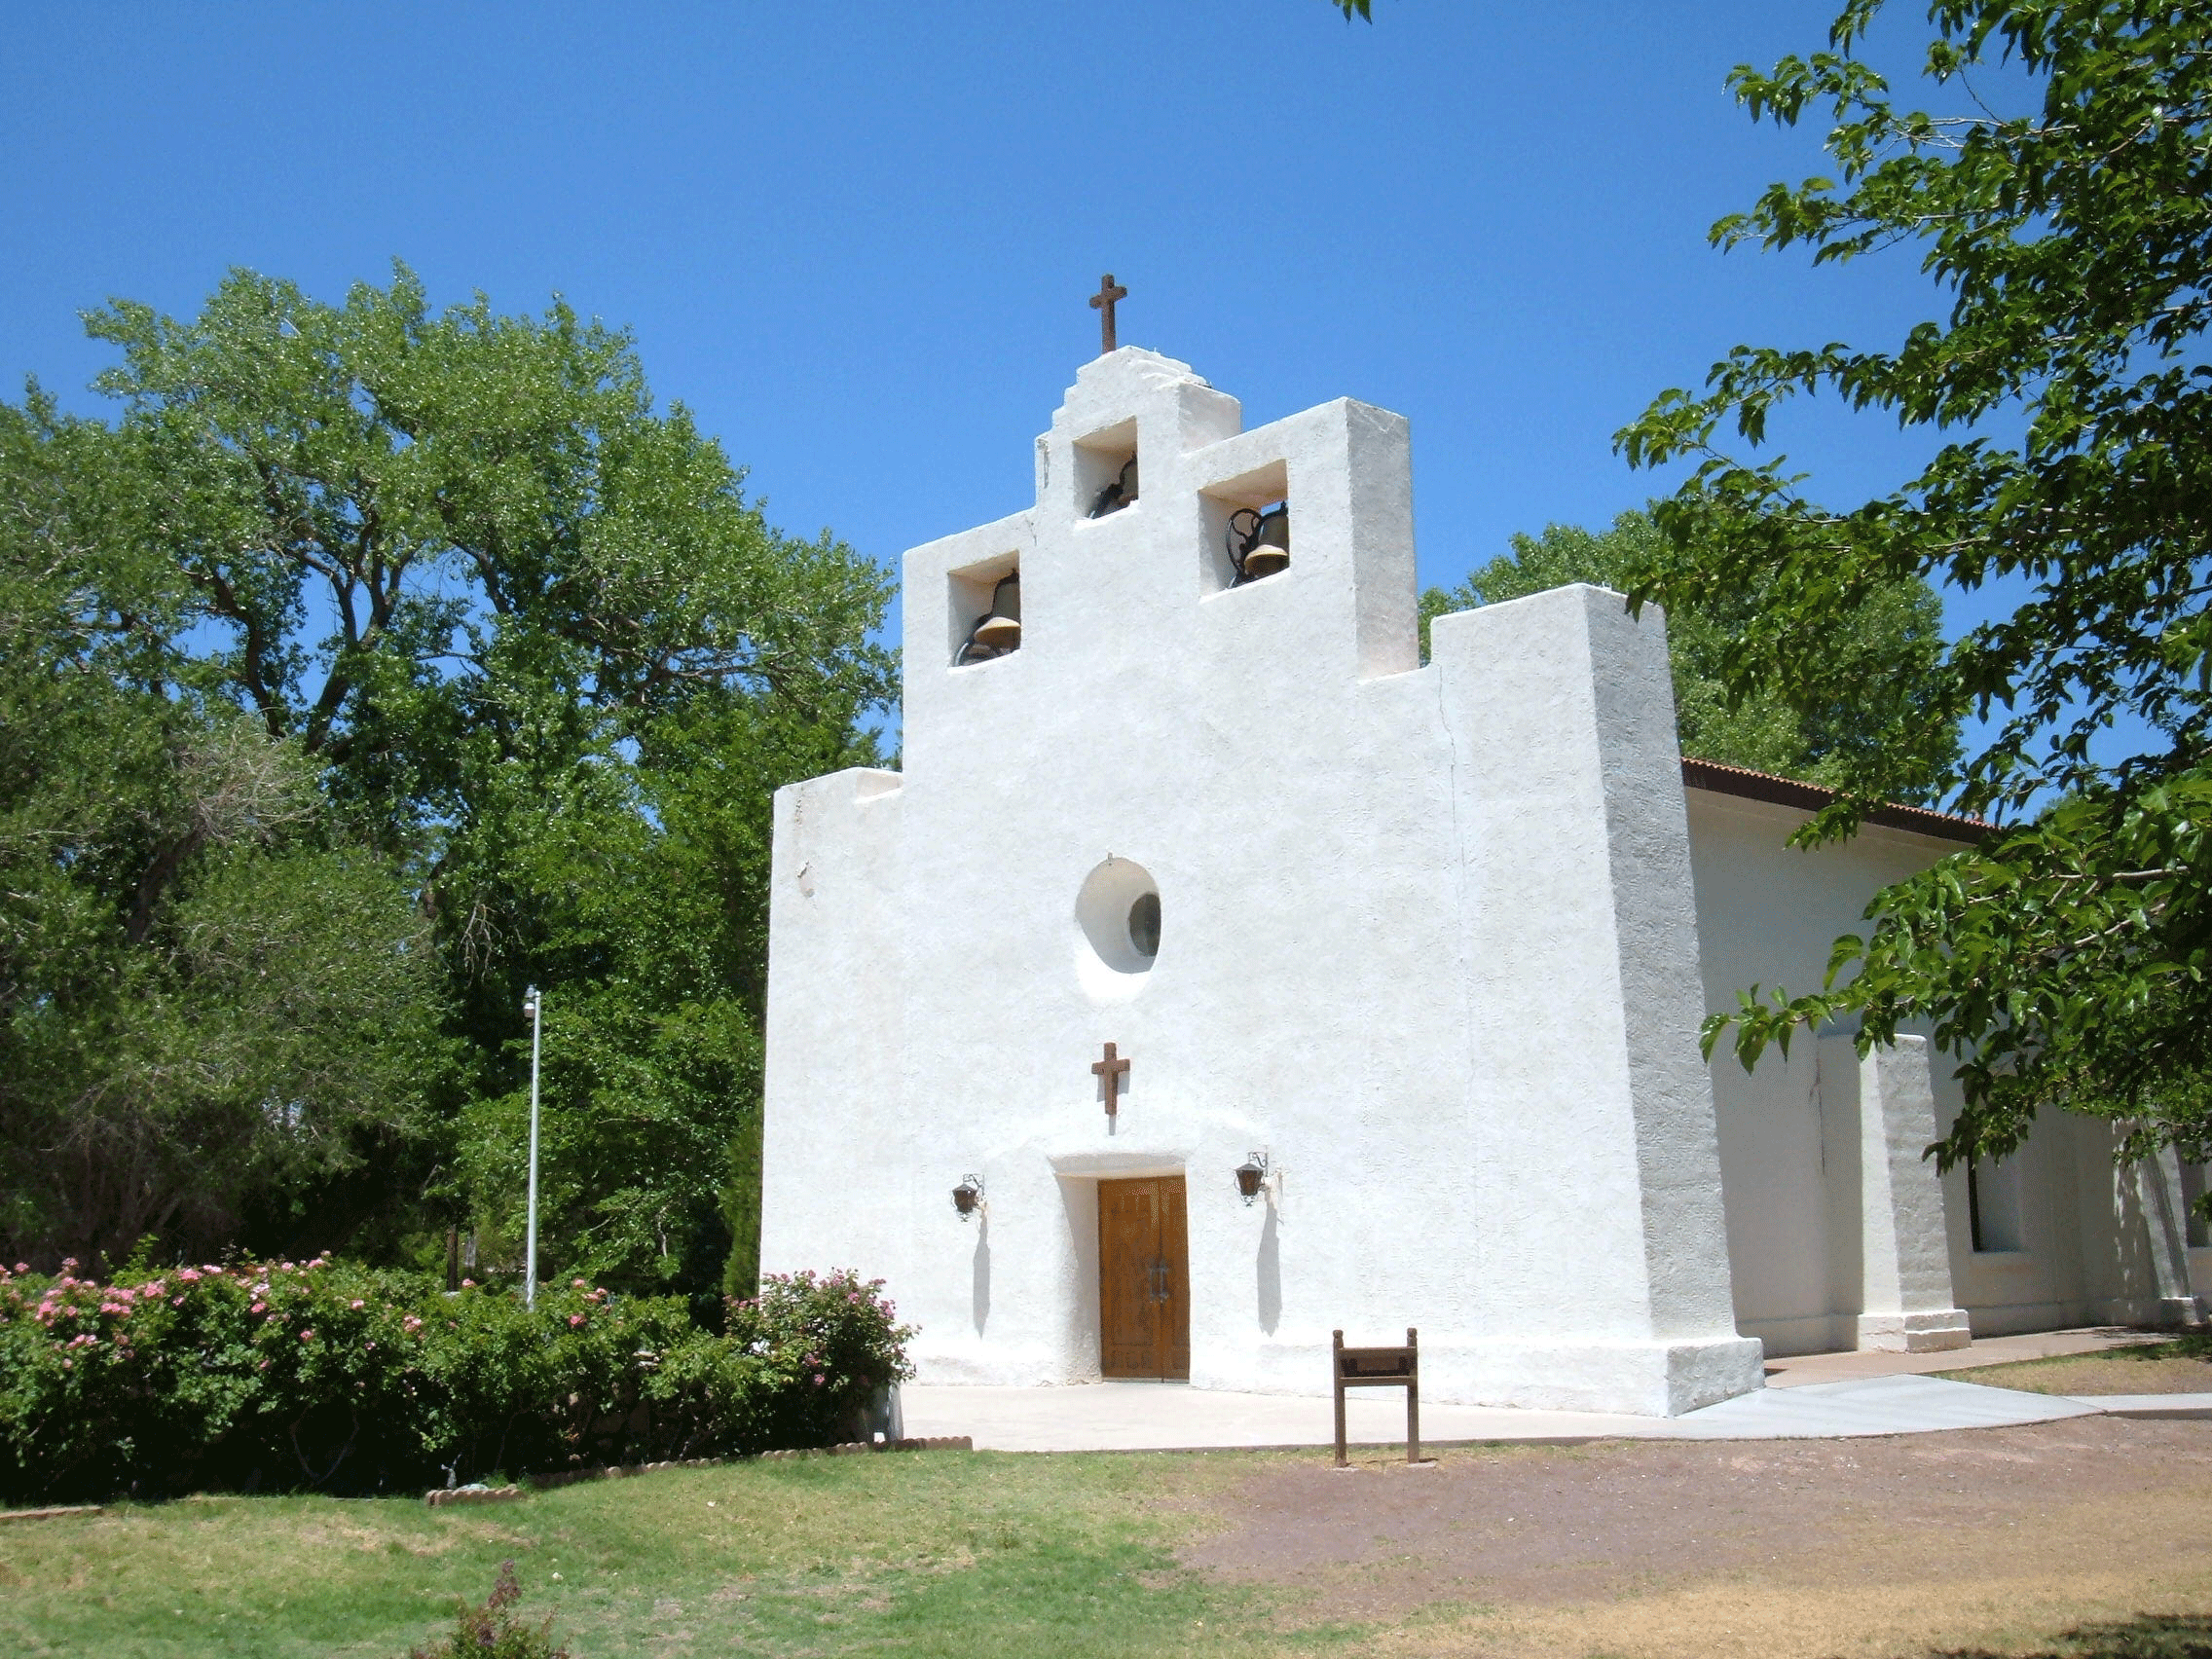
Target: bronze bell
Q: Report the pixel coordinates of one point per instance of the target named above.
(1259, 542)
(1118, 492)
(1001, 630)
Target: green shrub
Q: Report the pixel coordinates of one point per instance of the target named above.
(490, 1632)
(336, 1377)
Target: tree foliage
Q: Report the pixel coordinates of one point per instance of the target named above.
(210, 994)
(369, 600)
(1873, 701)
(2065, 957)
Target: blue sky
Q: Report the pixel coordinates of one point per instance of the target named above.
(857, 240)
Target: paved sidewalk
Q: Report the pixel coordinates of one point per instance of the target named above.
(1794, 1371)
(1141, 1417)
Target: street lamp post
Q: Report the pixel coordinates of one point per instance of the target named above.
(533, 1007)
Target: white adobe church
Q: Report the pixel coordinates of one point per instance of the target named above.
(1251, 980)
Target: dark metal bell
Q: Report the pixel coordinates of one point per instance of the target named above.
(1259, 543)
(1119, 492)
(1001, 630)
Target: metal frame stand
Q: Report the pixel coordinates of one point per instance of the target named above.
(1379, 1368)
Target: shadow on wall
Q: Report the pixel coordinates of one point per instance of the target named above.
(979, 1292)
(1271, 1276)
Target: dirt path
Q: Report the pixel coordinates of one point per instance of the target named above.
(1999, 1539)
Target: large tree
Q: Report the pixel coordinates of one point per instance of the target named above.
(216, 1003)
(538, 655)
(2067, 221)
(1879, 661)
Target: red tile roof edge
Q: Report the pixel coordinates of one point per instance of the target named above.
(1719, 779)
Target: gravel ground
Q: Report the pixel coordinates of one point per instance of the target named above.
(1997, 1539)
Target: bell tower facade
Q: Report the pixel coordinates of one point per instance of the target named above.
(1415, 943)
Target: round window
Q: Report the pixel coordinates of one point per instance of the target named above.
(1144, 924)
(1117, 913)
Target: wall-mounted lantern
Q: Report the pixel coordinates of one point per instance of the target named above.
(968, 1194)
(1252, 1176)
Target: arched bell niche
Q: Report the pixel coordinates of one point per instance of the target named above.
(1117, 913)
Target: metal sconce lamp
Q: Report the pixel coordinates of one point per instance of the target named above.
(1251, 1176)
(967, 1195)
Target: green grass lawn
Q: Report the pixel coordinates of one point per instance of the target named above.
(969, 1554)
(2183, 1366)
(1635, 1550)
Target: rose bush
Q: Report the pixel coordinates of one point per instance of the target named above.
(336, 1377)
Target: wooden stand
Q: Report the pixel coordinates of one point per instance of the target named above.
(1380, 1367)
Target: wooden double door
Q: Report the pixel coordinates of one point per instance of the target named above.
(1144, 1278)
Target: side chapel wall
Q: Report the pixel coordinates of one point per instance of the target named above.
(2097, 1244)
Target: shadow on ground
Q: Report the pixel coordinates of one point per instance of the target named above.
(2153, 1635)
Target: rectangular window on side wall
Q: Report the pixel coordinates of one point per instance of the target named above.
(1993, 1206)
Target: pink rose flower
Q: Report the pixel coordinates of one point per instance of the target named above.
(818, 1379)
(259, 1307)
(575, 1284)
(356, 1304)
(576, 1319)
(307, 1336)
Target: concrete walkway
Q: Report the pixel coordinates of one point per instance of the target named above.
(1794, 1371)
(1894, 1399)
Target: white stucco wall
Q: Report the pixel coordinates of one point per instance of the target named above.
(2098, 1244)
(1428, 941)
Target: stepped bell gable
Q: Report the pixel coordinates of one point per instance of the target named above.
(1250, 978)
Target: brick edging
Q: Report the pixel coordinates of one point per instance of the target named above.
(53, 1512)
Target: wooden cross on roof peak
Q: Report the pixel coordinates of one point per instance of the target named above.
(1102, 302)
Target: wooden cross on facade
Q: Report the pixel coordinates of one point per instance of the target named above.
(1102, 302)
(1110, 1070)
